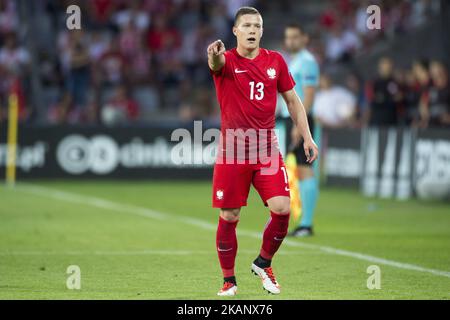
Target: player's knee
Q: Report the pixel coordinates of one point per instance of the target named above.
(230, 214)
(280, 206)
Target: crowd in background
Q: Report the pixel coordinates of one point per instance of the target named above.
(415, 97)
(134, 60)
(131, 57)
(343, 30)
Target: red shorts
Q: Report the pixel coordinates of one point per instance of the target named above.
(231, 182)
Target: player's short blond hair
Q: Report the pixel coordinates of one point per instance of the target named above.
(245, 10)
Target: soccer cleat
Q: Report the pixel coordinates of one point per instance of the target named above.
(228, 289)
(302, 232)
(267, 277)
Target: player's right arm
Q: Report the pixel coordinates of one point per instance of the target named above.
(216, 57)
(300, 119)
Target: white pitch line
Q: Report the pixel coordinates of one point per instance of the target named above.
(140, 211)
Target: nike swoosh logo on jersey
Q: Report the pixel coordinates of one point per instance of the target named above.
(276, 239)
(239, 71)
(224, 249)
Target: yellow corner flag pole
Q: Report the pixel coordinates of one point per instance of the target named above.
(13, 115)
(296, 205)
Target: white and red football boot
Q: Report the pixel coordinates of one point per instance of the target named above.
(267, 277)
(228, 289)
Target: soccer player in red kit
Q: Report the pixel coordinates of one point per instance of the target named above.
(247, 80)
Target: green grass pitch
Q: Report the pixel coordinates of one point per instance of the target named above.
(156, 240)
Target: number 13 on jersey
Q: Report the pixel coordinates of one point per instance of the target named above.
(259, 95)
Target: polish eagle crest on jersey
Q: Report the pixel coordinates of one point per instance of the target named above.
(272, 73)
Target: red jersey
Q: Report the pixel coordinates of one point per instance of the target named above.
(247, 89)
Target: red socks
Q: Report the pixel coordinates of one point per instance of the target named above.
(226, 241)
(274, 233)
(226, 244)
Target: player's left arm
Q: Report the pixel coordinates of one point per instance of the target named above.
(310, 80)
(308, 97)
(300, 119)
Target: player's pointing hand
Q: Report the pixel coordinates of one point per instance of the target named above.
(216, 48)
(216, 57)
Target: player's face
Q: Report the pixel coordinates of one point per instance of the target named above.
(248, 31)
(294, 40)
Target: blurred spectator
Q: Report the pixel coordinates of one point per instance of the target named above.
(3, 112)
(396, 21)
(63, 111)
(100, 12)
(134, 15)
(186, 113)
(438, 102)
(171, 70)
(9, 21)
(420, 70)
(112, 65)
(361, 18)
(157, 7)
(355, 84)
(191, 16)
(129, 40)
(49, 70)
(384, 96)
(345, 8)
(98, 45)
(75, 61)
(219, 21)
(422, 10)
(410, 97)
(14, 72)
(161, 33)
(202, 107)
(334, 106)
(341, 43)
(194, 46)
(120, 108)
(205, 104)
(328, 19)
(140, 69)
(14, 59)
